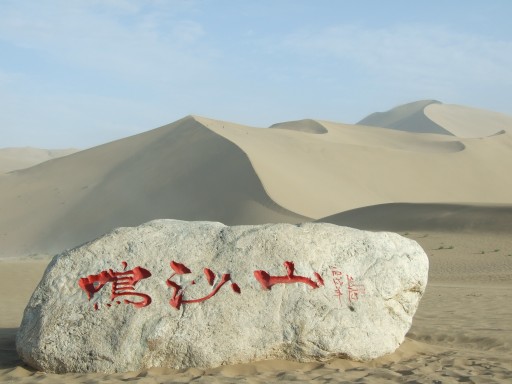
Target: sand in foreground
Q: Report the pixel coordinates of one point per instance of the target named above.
(461, 333)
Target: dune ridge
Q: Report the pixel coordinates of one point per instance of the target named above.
(12, 159)
(177, 171)
(354, 166)
(432, 116)
(203, 169)
(306, 125)
(408, 117)
(468, 122)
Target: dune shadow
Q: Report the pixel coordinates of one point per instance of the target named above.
(8, 356)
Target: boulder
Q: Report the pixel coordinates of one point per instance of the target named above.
(201, 294)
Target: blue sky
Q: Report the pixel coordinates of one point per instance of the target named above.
(79, 73)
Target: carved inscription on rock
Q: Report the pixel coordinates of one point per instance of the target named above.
(123, 284)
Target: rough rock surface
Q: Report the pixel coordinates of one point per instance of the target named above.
(302, 292)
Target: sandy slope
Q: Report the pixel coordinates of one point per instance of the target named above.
(182, 171)
(12, 159)
(468, 122)
(461, 332)
(409, 117)
(431, 116)
(306, 125)
(352, 166)
(204, 169)
(399, 217)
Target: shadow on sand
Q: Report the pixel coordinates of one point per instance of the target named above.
(8, 356)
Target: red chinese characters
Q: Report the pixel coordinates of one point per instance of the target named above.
(123, 284)
(268, 281)
(353, 289)
(178, 290)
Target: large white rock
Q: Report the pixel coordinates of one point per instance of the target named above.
(352, 294)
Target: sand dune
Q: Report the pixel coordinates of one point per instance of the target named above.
(182, 171)
(12, 159)
(431, 116)
(468, 122)
(306, 125)
(354, 166)
(408, 117)
(203, 169)
(399, 217)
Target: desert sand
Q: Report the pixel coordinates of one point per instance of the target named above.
(444, 184)
(13, 159)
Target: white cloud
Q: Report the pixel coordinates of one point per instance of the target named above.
(77, 120)
(110, 69)
(89, 70)
(427, 55)
(187, 31)
(117, 36)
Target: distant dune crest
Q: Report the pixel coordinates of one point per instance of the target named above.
(408, 117)
(431, 116)
(306, 125)
(12, 159)
(468, 122)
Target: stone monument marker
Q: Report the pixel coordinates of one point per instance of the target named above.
(201, 294)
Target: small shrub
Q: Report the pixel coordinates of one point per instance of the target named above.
(443, 247)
